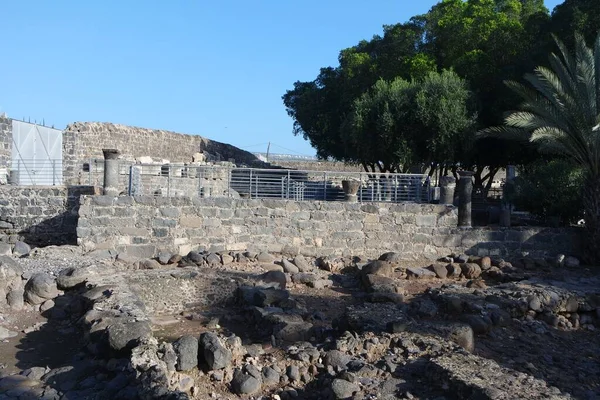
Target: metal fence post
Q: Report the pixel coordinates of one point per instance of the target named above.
(250, 188)
(288, 184)
(169, 180)
(53, 172)
(325, 186)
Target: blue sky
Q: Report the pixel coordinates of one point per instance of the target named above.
(213, 68)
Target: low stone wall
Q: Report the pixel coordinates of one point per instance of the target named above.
(144, 225)
(40, 215)
(5, 142)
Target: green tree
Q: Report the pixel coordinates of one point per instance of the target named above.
(561, 113)
(400, 125)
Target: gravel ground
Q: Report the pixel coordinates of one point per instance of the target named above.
(53, 259)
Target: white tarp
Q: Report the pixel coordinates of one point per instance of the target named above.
(36, 154)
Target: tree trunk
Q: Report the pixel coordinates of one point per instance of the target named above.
(591, 207)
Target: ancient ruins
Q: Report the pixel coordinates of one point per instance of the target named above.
(106, 293)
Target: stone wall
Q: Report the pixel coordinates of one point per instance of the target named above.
(40, 215)
(144, 225)
(5, 141)
(83, 141)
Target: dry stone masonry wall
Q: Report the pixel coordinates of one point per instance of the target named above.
(5, 142)
(40, 215)
(145, 225)
(83, 141)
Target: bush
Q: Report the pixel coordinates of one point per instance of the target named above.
(549, 189)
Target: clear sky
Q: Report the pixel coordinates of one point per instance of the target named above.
(213, 68)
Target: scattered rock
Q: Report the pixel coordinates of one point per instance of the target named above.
(244, 383)
(21, 248)
(302, 264)
(186, 349)
(5, 333)
(40, 288)
(289, 267)
(125, 336)
(336, 359)
(164, 257)
(213, 352)
(440, 270)
(391, 257)
(343, 389)
(419, 273)
(379, 268)
(470, 270)
(265, 258)
(485, 263)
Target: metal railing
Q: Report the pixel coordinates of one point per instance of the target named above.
(214, 181)
(40, 172)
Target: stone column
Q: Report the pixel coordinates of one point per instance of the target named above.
(465, 190)
(111, 172)
(350, 188)
(447, 188)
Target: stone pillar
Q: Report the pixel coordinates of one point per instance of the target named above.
(465, 190)
(111, 172)
(350, 188)
(447, 188)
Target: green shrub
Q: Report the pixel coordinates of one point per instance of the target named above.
(549, 189)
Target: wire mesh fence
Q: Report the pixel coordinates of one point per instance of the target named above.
(215, 181)
(36, 172)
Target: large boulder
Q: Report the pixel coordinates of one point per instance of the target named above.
(126, 336)
(213, 352)
(380, 268)
(186, 349)
(39, 288)
(245, 382)
(470, 270)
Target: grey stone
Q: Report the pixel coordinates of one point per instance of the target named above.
(304, 278)
(321, 283)
(454, 270)
(186, 349)
(35, 373)
(213, 259)
(5, 333)
(336, 359)
(15, 299)
(45, 306)
(480, 325)
(9, 267)
(244, 383)
(462, 335)
(289, 267)
(40, 288)
(274, 279)
(21, 248)
(213, 352)
(294, 332)
(264, 257)
(419, 273)
(164, 257)
(379, 268)
(195, 257)
(470, 270)
(71, 277)
(293, 372)
(150, 264)
(270, 376)
(440, 270)
(343, 389)
(391, 256)
(302, 264)
(125, 336)
(5, 249)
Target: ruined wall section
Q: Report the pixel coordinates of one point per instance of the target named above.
(83, 141)
(5, 141)
(145, 225)
(40, 215)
